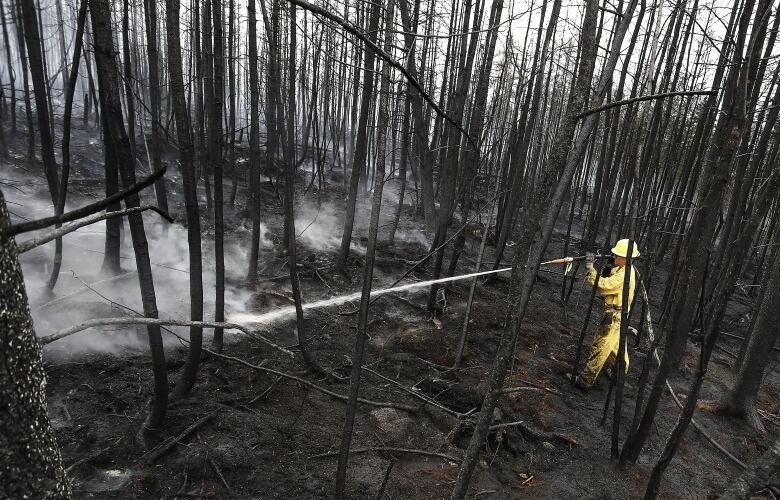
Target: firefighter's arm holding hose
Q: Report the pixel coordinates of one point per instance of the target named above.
(609, 284)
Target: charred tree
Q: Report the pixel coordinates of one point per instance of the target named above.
(189, 176)
(67, 116)
(117, 139)
(150, 13)
(361, 142)
(30, 461)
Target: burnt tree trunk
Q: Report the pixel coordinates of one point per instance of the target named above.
(383, 122)
(70, 89)
(361, 145)
(117, 139)
(190, 180)
(741, 399)
(30, 461)
(150, 11)
(33, 41)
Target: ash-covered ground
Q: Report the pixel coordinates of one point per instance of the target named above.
(271, 436)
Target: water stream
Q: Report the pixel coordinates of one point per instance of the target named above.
(245, 318)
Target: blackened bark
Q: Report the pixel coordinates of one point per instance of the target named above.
(189, 176)
(216, 147)
(30, 461)
(361, 143)
(33, 41)
(11, 72)
(383, 120)
(25, 79)
(254, 140)
(150, 12)
(66, 124)
(117, 137)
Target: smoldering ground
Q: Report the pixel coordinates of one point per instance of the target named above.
(84, 292)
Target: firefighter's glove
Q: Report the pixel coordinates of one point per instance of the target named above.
(590, 258)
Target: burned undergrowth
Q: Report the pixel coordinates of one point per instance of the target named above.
(253, 428)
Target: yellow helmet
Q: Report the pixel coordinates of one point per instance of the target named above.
(621, 249)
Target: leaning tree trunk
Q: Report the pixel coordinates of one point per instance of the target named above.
(289, 209)
(187, 154)
(117, 139)
(33, 41)
(128, 77)
(30, 461)
(25, 80)
(741, 399)
(361, 146)
(66, 124)
(383, 121)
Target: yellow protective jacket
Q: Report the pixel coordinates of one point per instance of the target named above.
(611, 287)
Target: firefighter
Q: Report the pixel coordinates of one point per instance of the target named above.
(607, 338)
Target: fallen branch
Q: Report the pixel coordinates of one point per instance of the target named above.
(303, 381)
(87, 287)
(390, 450)
(535, 433)
(92, 323)
(265, 392)
(417, 395)
(166, 446)
(509, 390)
(219, 472)
(86, 459)
(87, 210)
(389, 470)
(27, 245)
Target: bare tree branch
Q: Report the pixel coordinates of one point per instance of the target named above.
(87, 210)
(28, 245)
(624, 102)
(92, 323)
(349, 28)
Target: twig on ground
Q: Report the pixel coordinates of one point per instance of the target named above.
(265, 392)
(166, 446)
(303, 381)
(219, 472)
(383, 449)
(534, 433)
(386, 478)
(86, 459)
(417, 395)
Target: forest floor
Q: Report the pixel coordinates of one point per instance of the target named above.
(267, 435)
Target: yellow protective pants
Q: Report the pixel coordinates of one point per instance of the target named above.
(604, 348)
